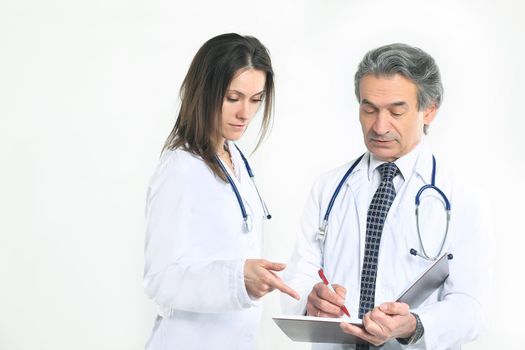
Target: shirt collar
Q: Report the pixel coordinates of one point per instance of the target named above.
(406, 164)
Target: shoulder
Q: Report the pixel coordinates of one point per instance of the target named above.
(463, 187)
(179, 160)
(177, 167)
(469, 195)
(331, 178)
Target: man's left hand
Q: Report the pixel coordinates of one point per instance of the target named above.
(387, 321)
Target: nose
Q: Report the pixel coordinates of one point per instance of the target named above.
(381, 124)
(245, 111)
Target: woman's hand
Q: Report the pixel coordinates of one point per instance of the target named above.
(260, 278)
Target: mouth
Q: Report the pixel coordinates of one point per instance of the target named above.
(379, 141)
(238, 126)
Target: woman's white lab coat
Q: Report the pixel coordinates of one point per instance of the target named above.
(461, 313)
(195, 252)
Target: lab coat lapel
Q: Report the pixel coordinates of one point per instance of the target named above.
(424, 165)
(236, 180)
(359, 186)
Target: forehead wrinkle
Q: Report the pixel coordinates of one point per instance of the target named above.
(388, 92)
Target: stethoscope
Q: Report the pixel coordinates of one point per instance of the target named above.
(247, 220)
(321, 233)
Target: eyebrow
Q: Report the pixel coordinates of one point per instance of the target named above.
(393, 104)
(240, 93)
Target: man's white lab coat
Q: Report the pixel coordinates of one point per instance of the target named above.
(454, 314)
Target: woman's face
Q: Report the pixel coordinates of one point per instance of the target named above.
(241, 101)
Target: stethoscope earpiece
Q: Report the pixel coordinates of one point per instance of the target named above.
(416, 253)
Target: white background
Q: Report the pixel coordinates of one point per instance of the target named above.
(89, 91)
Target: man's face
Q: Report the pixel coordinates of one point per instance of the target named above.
(392, 125)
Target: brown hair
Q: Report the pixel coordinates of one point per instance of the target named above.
(197, 129)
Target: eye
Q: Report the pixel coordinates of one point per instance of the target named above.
(232, 99)
(258, 99)
(368, 110)
(396, 114)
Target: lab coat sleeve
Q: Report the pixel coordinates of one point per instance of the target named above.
(462, 315)
(302, 271)
(171, 279)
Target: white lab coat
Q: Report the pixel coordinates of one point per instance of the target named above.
(195, 252)
(454, 314)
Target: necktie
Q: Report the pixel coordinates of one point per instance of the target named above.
(375, 221)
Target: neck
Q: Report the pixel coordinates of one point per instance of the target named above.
(222, 147)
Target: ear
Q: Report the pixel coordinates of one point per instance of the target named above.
(429, 114)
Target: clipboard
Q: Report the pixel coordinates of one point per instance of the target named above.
(326, 330)
(318, 329)
(426, 283)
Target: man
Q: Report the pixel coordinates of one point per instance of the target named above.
(370, 249)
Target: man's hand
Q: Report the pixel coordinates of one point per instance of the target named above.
(260, 278)
(387, 321)
(322, 302)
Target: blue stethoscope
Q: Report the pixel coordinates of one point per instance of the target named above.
(321, 234)
(247, 220)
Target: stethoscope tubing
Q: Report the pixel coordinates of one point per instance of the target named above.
(252, 177)
(322, 228)
(321, 235)
(246, 218)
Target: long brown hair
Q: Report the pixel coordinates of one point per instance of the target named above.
(198, 126)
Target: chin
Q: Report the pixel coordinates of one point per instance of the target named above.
(384, 154)
(233, 137)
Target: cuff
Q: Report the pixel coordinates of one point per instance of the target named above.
(245, 300)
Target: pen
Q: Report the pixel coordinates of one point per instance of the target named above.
(325, 281)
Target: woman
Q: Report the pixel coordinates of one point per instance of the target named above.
(199, 243)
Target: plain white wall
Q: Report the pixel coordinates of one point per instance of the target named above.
(89, 91)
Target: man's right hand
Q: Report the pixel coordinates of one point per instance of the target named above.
(322, 302)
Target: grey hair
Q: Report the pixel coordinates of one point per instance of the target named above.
(410, 62)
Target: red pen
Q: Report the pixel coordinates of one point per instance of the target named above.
(325, 281)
